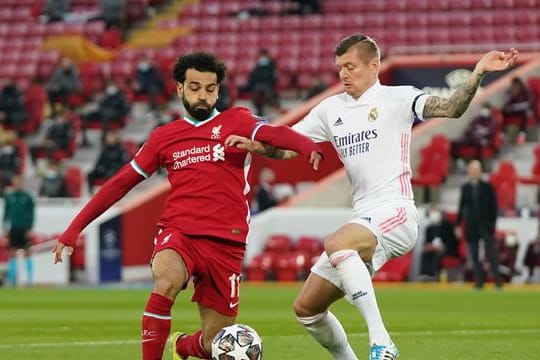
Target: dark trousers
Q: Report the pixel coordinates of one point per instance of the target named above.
(474, 235)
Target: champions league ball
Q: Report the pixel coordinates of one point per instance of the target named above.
(237, 342)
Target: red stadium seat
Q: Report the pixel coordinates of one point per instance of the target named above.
(289, 266)
(74, 181)
(505, 183)
(395, 270)
(278, 243)
(260, 267)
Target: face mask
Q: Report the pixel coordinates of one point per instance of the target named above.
(264, 61)
(51, 174)
(485, 112)
(111, 90)
(434, 217)
(143, 66)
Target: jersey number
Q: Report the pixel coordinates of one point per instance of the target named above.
(235, 285)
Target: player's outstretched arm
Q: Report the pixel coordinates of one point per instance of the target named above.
(112, 191)
(269, 151)
(260, 148)
(459, 101)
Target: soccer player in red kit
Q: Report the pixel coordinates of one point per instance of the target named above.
(203, 228)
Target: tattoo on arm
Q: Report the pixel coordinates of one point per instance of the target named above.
(458, 102)
(280, 154)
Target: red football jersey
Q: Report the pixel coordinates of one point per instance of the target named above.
(209, 182)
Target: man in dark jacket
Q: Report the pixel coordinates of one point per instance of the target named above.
(18, 221)
(440, 241)
(262, 82)
(12, 109)
(113, 156)
(478, 208)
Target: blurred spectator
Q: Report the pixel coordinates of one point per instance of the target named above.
(224, 97)
(53, 183)
(64, 82)
(480, 132)
(440, 241)
(12, 108)
(112, 108)
(148, 81)
(18, 222)
(317, 86)
(262, 82)
(519, 102)
(55, 10)
(532, 256)
(113, 12)
(478, 210)
(10, 160)
(112, 157)
(264, 195)
(304, 7)
(58, 136)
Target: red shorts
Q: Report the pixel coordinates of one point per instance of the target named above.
(215, 265)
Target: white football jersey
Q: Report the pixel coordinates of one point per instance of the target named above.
(372, 136)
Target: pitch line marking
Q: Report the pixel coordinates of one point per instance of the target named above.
(396, 333)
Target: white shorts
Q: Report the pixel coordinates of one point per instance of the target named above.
(395, 226)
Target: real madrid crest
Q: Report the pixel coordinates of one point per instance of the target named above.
(373, 114)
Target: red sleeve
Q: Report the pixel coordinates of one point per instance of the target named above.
(147, 160)
(112, 191)
(284, 137)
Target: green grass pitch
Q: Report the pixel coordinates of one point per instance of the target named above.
(426, 322)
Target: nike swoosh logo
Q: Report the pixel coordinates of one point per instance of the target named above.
(147, 340)
(231, 305)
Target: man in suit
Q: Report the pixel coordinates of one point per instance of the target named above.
(478, 208)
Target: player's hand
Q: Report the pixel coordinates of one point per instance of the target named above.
(246, 144)
(496, 61)
(58, 252)
(314, 159)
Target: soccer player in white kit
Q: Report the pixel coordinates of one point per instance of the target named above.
(370, 127)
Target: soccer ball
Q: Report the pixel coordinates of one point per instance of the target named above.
(237, 342)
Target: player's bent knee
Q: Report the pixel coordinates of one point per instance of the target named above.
(167, 287)
(302, 311)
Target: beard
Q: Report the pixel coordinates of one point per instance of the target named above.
(201, 110)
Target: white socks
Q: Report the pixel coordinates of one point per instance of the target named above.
(327, 330)
(359, 288)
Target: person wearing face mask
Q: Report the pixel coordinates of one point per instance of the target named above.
(112, 109)
(479, 134)
(440, 241)
(148, 81)
(53, 183)
(64, 82)
(12, 107)
(10, 160)
(262, 82)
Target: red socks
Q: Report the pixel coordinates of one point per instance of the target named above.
(191, 345)
(156, 325)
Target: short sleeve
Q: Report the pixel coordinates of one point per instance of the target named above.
(415, 102)
(312, 125)
(146, 161)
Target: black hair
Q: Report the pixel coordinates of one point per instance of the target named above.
(200, 61)
(370, 49)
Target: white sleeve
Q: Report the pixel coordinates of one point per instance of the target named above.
(313, 126)
(418, 105)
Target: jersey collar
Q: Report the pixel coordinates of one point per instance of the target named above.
(368, 95)
(196, 122)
